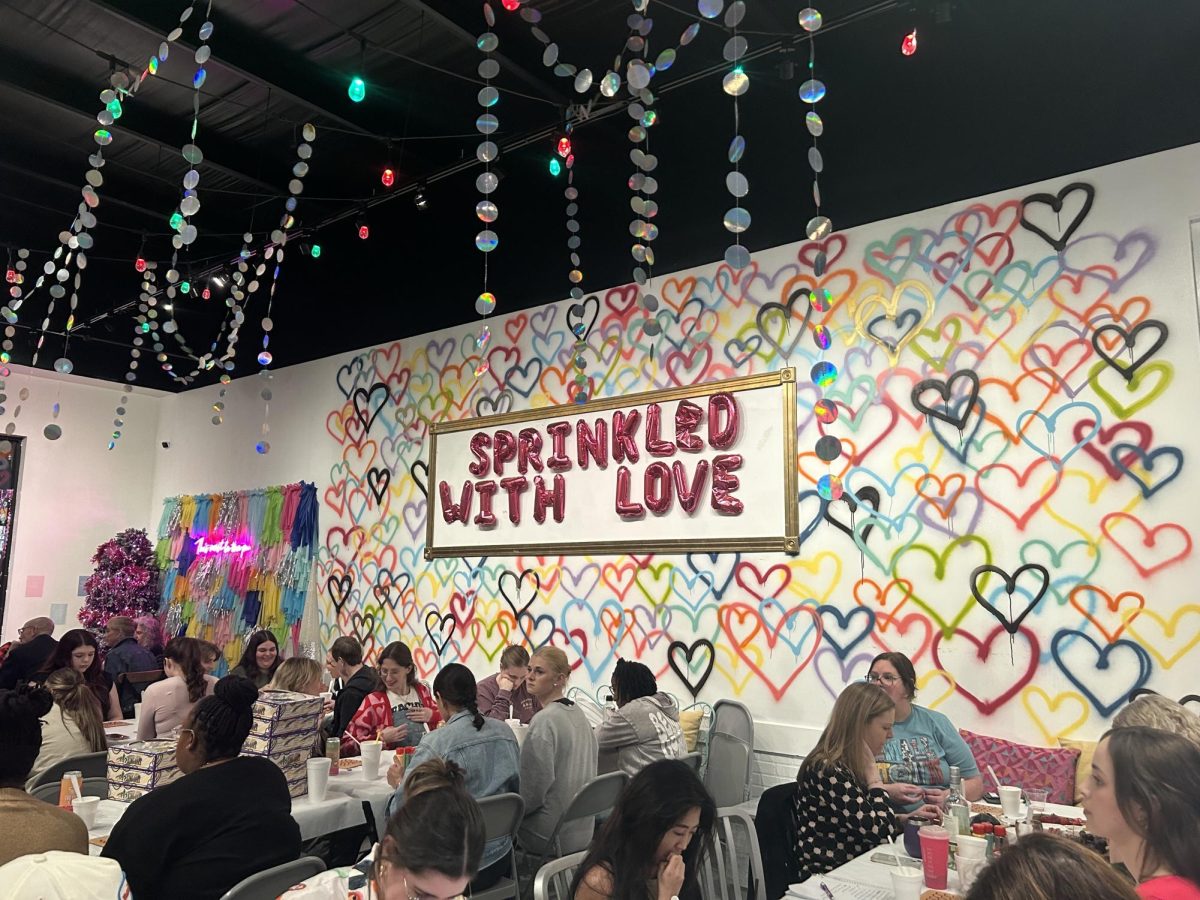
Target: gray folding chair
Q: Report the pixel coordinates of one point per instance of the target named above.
(92, 765)
(92, 787)
(734, 870)
(553, 880)
(733, 720)
(596, 797)
(728, 764)
(502, 815)
(269, 884)
(693, 759)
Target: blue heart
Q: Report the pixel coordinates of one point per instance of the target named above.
(715, 568)
(1119, 451)
(1051, 422)
(843, 623)
(1144, 667)
(888, 487)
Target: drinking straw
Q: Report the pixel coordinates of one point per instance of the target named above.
(896, 853)
(992, 772)
(76, 787)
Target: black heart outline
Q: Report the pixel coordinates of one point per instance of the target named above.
(1055, 202)
(685, 671)
(945, 389)
(491, 406)
(578, 312)
(788, 315)
(518, 611)
(1130, 339)
(422, 484)
(442, 621)
(378, 480)
(342, 586)
(358, 620)
(900, 318)
(365, 395)
(383, 591)
(866, 494)
(1010, 585)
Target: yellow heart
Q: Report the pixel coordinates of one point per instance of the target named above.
(738, 685)
(864, 310)
(928, 451)
(950, 685)
(1046, 707)
(1159, 374)
(1168, 629)
(828, 580)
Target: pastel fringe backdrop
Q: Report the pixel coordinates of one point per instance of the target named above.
(238, 562)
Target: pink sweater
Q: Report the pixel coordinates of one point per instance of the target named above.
(165, 707)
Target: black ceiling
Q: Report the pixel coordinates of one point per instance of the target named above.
(1005, 93)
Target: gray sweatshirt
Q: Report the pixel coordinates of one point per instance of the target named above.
(639, 733)
(557, 759)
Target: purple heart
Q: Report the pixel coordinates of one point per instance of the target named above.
(928, 513)
(845, 670)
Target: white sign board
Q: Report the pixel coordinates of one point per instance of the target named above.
(709, 468)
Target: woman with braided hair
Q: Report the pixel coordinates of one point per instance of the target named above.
(485, 748)
(228, 817)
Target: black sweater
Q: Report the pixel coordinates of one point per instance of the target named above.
(201, 835)
(350, 698)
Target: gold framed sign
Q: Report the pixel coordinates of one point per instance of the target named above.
(706, 468)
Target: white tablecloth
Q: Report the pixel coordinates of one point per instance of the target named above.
(875, 877)
(341, 808)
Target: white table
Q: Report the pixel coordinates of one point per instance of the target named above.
(341, 808)
(864, 873)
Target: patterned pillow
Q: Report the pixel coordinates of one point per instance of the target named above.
(1047, 768)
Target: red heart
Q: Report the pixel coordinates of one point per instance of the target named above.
(999, 492)
(743, 612)
(1145, 436)
(514, 327)
(755, 583)
(834, 246)
(1149, 541)
(983, 650)
(901, 627)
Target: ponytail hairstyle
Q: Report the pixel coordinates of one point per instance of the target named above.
(185, 653)
(74, 698)
(222, 720)
(439, 828)
(21, 710)
(456, 686)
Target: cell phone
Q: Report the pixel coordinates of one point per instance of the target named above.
(991, 798)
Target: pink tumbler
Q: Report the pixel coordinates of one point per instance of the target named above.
(935, 855)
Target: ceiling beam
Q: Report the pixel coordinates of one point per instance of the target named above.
(157, 216)
(245, 54)
(162, 132)
(506, 63)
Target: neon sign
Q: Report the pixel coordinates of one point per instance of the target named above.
(203, 547)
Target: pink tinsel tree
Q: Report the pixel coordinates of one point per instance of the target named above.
(125, 581)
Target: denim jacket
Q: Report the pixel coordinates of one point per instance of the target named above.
(490, 756)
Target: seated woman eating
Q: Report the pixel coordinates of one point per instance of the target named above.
(485, 749)
(842, 809)
(73, 727)
(644, 727)
(400, 712)
(923, 745)
(653, 845)
(166, 704)
(1144, 796)
(228, 817)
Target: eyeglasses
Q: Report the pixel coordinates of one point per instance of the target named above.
(885, 678)
(383, 866)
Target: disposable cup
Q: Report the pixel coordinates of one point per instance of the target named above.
(371, 751)
(1010, 800)
(971, 847)
(968, 871)
(85, 808)
(318, 779)
(935, 855)
(907, 883)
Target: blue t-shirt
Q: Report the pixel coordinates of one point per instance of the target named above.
(922, 749)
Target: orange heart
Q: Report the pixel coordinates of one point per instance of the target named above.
(820, 467)
(1112, 604)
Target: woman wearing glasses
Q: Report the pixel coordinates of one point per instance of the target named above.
(924, 743)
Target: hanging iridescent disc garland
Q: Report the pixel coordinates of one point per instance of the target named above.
(149, 287)
(644, 185)
(487, 151)
(735, 83)
(579, 327)
(189, 203)
(812, 91)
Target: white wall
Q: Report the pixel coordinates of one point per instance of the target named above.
(1156, 195)
(74, 493)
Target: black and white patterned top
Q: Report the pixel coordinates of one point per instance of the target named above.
(838, 819)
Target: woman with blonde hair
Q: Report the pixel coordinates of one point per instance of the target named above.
(557, 759)
(1045, 866)
(73, 727)
(842, 808)
(297, 674)
(1163, 713)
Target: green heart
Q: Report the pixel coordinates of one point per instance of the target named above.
(939, 572)
(657, 583)
(935, 334)
(695, 616)
(1166, 375)
(889, 530)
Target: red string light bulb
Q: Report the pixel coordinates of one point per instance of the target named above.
(388, 177)
(908, 46)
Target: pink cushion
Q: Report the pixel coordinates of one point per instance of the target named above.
(1044, 768)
